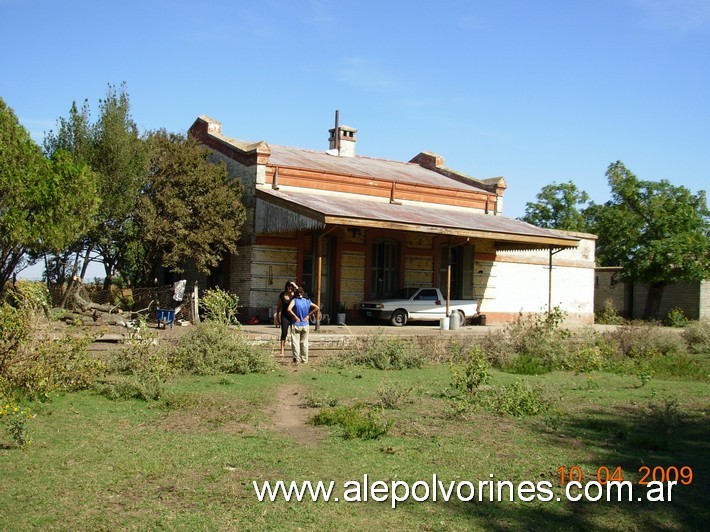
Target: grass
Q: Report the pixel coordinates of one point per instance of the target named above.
(187, 461)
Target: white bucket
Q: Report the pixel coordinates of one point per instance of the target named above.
(444, 324)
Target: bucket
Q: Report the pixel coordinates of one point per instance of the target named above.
(444, 324)
(481, 319)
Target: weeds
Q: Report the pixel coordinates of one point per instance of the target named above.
(697, 336)
(15, 417)
(521, 399)
(142, 372)
(469, 370)
(356, 421)
(393, 395)
(676, 318)
(381, 352)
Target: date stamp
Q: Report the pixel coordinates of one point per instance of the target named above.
(680, 475)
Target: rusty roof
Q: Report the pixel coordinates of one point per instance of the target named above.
(363, 211)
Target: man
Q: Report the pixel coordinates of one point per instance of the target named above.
(300, 309)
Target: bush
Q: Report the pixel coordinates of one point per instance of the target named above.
(697, 336)
(380, 352)
(469, 370)
(356, 421)
(393, 395)
(520, 399)
(586, 360)
(46, 366)
(676, 318)
(608, 315)
(141, 371)
(531, 345)
(644, 342)
(212, 348)
(220, 306)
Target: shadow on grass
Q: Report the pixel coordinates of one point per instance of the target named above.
(656, 434)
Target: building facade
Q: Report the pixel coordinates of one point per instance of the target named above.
(351, 228)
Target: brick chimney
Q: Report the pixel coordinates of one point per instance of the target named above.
(342, 139)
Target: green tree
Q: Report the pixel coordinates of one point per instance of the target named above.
(116, 152)
(190, 211)
(558, 206)
(44, 204)
(658, 232)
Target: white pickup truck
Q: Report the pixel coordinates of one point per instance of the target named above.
(417, 304)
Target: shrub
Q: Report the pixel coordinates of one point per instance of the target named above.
(211, 348)
(316, 400)
(697, 336)
(393, 395)
(645, 341)
(520, 399)
(532, 344)
(608, 315)
(30, 295)
(14, 332)
(586, 360)
(356, 421)
(469, 370)
(46, 366)
(677, 318)
(220, 306)
(380, 352)
(142, 371)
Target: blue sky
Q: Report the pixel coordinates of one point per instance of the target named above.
(538, 92)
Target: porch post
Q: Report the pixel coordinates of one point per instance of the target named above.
(448, 279)
(549, 281)
(319, 273)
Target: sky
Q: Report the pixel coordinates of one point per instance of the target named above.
(537, 92)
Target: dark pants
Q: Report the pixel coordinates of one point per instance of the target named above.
(285, 324)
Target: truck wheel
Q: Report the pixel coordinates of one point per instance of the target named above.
(462, 318)
(399, 318)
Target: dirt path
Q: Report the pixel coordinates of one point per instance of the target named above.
(289, 417)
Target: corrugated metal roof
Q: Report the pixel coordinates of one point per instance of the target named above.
(340, 209)
(410, 173)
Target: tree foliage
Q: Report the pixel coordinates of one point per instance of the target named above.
(658, 232)
(45, 204)
(114, 149)
(558, 206)
(189, 211)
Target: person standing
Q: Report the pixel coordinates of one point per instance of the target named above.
(284, 318)
(301, 308)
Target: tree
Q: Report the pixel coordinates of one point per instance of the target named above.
(558, 207)
(658, 232)
(116, 153)
(44, 204)
(190, 211)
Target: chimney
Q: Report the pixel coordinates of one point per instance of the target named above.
(342, 139)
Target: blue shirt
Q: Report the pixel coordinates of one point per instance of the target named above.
(301, 308)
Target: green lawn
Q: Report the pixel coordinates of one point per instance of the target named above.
(188, 460)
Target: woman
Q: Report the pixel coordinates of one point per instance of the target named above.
(283, 316)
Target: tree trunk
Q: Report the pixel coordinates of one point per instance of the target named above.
(653, 301)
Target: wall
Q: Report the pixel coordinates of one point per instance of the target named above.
(610, 289)
(681, 295)
(518, 282)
